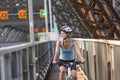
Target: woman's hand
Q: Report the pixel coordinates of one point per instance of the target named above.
(54, 62)
(83, 60)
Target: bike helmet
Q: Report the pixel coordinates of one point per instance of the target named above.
(66, 29)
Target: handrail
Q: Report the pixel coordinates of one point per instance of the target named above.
(102, 57)
(112, 42)
(4, 50)
(26, 61)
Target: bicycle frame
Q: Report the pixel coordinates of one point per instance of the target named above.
(68, 75)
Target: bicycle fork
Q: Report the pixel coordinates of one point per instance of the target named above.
(69, 72)
(68, 77)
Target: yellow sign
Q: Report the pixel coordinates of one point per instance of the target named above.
(42, 13)
(22, 14)
(3, 15)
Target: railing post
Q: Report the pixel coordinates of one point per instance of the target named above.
(28, 63)
(112, 62)
(34, 62)
(2, 67)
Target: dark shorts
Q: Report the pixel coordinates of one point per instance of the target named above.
(73, 67)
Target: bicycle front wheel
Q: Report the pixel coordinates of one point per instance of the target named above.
(68, 78)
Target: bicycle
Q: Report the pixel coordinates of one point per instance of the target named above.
(68, 68)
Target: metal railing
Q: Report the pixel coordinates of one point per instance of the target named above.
(30, 61)
(33, 61)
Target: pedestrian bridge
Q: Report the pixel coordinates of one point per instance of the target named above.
(32, 61)
(96, 27)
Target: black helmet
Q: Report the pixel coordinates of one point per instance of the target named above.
(66, 29)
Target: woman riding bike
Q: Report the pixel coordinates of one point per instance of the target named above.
(65, 52)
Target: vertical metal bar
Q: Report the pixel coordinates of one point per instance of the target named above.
(114, 4)
(34, 62)
(50, 12)
(46, 15)
(55, 26)
(46, 18)
(31, 23)
(20, 65)
(9, 63)
(2, 68)
(17, 58)
(28, 63)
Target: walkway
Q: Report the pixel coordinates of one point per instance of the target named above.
(54, 75)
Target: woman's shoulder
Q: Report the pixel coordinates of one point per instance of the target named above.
(59, 42)
(73, 41)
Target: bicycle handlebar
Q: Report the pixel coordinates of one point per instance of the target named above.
(67, 64)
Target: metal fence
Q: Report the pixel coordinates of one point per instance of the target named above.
(102, 58)
(26, 61)
(33, 61)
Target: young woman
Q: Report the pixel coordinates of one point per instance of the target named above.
(65, 52)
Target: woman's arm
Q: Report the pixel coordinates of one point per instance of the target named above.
(56, 55)
(78, 51)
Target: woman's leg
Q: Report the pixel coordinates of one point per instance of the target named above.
(62, 73)
(74, 74)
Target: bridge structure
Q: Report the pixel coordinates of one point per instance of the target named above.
(27, 40)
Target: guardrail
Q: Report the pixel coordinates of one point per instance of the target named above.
(30, 61)
(102, 58)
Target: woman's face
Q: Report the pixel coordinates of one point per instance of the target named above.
(63, 34)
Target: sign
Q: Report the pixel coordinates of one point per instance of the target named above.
(22, 14)
(4, 15)
(42, 13)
